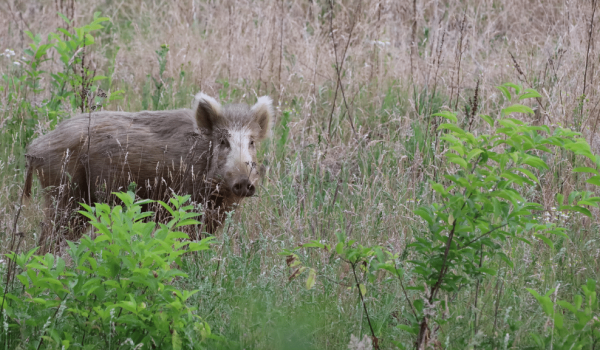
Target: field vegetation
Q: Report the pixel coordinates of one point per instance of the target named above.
(430, 183)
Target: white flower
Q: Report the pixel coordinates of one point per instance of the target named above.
(380, 43)
(16, 63)
(357, 344)
(506, 339)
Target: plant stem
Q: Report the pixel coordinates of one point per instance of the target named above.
(498, 301)
(477, 287)
(375, 340)
(12, 262)
(587, 56)
(412, 308)
(339, 64)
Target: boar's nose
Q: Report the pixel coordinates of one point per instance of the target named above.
(243, 188)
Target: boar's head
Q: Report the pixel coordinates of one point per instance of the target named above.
(234, 133)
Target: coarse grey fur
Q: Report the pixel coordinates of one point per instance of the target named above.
(208, 152)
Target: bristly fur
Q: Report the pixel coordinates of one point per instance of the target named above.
(203, 152)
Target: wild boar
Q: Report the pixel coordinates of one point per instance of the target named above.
(208, 152)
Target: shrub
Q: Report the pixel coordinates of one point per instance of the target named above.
(478, 207)
(576, 327)
(117, 288)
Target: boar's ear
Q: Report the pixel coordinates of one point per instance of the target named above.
(207, 113)
(263, 115)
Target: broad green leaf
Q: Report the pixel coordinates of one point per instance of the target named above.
(488, 271)
(474, 153)
(514, 86)
(116, 95)
(528, 173)
(451, 127)
(567, 305)
(24, 280)
(559, 232)
(168, 207)
(529, 93)
(102, 238)
(594, 180)
(439, 188)
(535, 162)
(408, 329)
(311, 279)
(488, 119)
(517, 108)
(505, 92)
(515, 178)
(127, 305)
(581, 210)
(445, 114)
(424, 214)
(544, 301)
(187, 222)
(459, 161)
(417, 288)
(64, 18)
(314, 244)
(545, 239)
(88, 40)
(586, 202)
(363, 289)
(558, 320)
(585, 170)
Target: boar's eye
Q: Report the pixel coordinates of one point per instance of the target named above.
(224, 142)
(251, 143)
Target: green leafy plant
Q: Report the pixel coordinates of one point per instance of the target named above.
(160, 84)
(75, 86)
(482, 204)
(479, 206)
(71, 47)
(573, 326)
(117, 287)
(356, 255)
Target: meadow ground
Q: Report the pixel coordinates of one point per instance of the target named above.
(355, 145)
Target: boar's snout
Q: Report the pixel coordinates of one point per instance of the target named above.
(242, 187)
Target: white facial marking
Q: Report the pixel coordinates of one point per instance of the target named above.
(240, 158)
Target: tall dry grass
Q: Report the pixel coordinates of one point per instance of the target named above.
(396, 62)
(285, 47)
